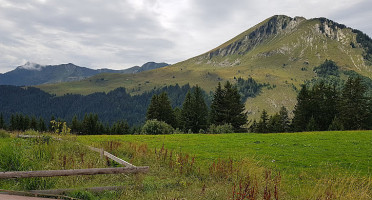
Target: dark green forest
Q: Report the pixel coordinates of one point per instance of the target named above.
(111, 107)
(116, 105)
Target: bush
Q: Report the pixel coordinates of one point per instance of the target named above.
(4, 134)
(155, 127)
(225, 128)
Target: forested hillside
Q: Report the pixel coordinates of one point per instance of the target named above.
(113, 106)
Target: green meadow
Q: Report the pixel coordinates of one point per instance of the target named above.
(308, 165)
(303, 159)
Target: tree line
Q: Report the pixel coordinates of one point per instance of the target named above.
(323, 107)
(89, 125)
(227, 109)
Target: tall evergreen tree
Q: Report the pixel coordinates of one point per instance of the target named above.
(13, 122)
(33, 123)
(160, 108)
(284, 120)
(354, 108)
(75, 125)
(187, 113)
(227, 107)
(2, 123)
(217, 115)
(235, 114)
(41, 125)
(194, 111)
(262, 126)
(302, 111)
(323, 101)
(201, 110)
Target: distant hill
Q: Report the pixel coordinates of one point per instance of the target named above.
(280, 51)
(35, 74)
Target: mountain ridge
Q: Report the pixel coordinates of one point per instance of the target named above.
(36, 74)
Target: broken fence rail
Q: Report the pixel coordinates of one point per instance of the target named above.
(73, 172)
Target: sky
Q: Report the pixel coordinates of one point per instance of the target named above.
(119, 34)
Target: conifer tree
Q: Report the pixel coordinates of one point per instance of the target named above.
(75, 125)
(13, 122)
(194, 112)
(262, 126)
(160, 108)
(302, 109)
(284, 120)
(227, 107)
(33, 123)
(217, 107)
(235, 114)
(312, 126)
(41, 125)
(336, 125)
(187, 113)
(354, 108)
(2, 123)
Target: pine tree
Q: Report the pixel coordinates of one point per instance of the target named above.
(75, 125)
(187, 113)
(26, 123)
(160, 108)
(201, 110)
(33, 123)
(323, 100)
(354, 108)
(235, 114)
(153, 109)
(336, 125)
(2, 123)
(41, 125)
(13, 122)
(227, 107)
(194, 112)
(274, 124)
(217, 116)
(302, 111)
(312, 126)
(253, 127)
(262, 126)
(284, 120)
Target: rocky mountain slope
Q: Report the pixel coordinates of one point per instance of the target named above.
(35, 74)
(280, 51)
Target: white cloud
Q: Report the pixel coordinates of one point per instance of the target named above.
(120, 34)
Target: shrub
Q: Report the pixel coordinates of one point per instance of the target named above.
(155, 127)
(225, 128)
(4, 134)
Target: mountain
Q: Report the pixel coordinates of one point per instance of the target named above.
(145, 67)
(280, 51)
(35, 74)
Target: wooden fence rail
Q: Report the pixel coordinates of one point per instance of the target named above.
(109, 155)
(73, 172)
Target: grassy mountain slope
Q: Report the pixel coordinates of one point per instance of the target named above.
(281, 51)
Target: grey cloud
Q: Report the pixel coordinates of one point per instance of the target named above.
(120, 33)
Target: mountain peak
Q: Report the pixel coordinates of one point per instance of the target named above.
(31, 66)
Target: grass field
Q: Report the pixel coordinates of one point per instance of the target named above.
(314, 165)
(304, 159)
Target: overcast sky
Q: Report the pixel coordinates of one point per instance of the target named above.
(123, 33)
